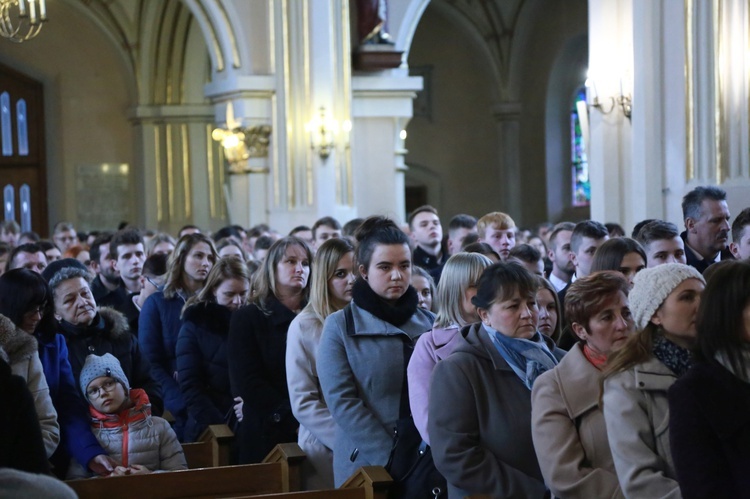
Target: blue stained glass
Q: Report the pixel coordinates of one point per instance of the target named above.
(23, 129)
(5, 126)
(579, 163)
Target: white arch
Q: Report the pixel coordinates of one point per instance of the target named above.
(217, 20)
(409, 22)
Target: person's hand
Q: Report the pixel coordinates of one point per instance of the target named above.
(238, 408)
(102, 465)
(120, 471)
(139, 469)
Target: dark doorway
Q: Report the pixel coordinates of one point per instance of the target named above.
(22, 158)
(415, 196)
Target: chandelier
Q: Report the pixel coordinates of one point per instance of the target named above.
(21, 20)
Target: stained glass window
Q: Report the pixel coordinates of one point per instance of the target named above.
(5, 125)
(579, 162)
(23, 132)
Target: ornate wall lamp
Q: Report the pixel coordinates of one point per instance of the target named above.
(608, 104)
(324, 132)
(22, 20)
(242, 143)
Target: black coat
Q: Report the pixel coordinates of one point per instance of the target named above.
(203, 367)
(257, 371)
(108, 333)
(21, 445)
(702, 265)
(709, 425)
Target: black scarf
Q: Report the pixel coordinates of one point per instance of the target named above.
(397, 314)
(676, 358)
(96, 327)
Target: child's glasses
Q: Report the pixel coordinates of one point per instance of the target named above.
(95, 391)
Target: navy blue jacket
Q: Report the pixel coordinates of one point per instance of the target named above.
(76, 438)
(203, 367)
(257, 371)
(158, 328)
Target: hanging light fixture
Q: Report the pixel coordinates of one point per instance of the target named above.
(22, 20)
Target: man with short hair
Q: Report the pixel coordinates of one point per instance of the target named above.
(528, 257)
(129, 255)
(188, 229)
(27, 256)
(324, 229)
(499, 231)
(559, 255)
(662, 243)
(427, 235)
(303, 232)
(107, 278)
(706, 235)
(64, 236)
(586, 238)
(459, 227)
(740, 246)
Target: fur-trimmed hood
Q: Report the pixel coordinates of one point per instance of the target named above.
(108, 322)
(16, 343)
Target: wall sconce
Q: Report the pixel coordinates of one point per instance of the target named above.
(608, 104)
(242, 143)
(29, 15)
(324, 133)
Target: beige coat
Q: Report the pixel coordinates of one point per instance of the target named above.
(570, 437)
(24, 361)
(636, 410)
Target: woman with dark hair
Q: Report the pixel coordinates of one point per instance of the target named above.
(664, 302)
(161, 318)
(480, 395)
(331, 290)
(365, 349)
(202, 359)
(709, 407)
(26, 300)
(550, 322)
(622, 254)
(257, 348)
(570, 436)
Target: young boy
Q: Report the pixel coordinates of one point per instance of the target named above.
(123, 424)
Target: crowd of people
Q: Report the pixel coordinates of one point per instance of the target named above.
(570, 360)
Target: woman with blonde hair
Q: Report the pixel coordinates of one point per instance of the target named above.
(664, 302)
(161, 318)
(257, 348)
(331, 290)
(458, 285)
(550, 321)
(202, 365)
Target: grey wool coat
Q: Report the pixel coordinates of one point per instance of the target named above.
(480, 422)
(362, 376)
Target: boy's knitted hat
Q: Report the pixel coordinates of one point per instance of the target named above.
(96, 367)
(652, 286)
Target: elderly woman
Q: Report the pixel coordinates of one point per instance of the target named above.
(91, 331)
(480, 395)
(458, 285)
(709, 406)
(664, 302)
(570, 436)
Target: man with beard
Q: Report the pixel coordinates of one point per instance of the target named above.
(706, 235)
(559, 255)
(107, 281)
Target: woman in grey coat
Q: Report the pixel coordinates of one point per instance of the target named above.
(480, 395)
(365, 348)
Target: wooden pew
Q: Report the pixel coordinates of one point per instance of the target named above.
(212, 448)
(280, 472)
(369, 482)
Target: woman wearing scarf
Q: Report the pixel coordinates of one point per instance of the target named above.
(570, 436)
(480, 395)
(710, 406)
(664, 303)
(365, 348)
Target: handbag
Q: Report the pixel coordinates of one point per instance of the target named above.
(410, 462)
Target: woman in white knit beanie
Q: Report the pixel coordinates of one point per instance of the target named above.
(664, 303)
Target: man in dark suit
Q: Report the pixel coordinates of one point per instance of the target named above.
(706, 235)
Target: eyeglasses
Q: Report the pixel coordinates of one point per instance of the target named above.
(94, 392)
(37, 311)
(157, 286)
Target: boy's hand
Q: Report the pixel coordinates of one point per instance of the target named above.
(120, 471)
(238, 408)
(139, 469)
(102, 465)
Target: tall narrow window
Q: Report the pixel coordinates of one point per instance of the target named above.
(23, 128)
(579, 162)
(6, 131)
